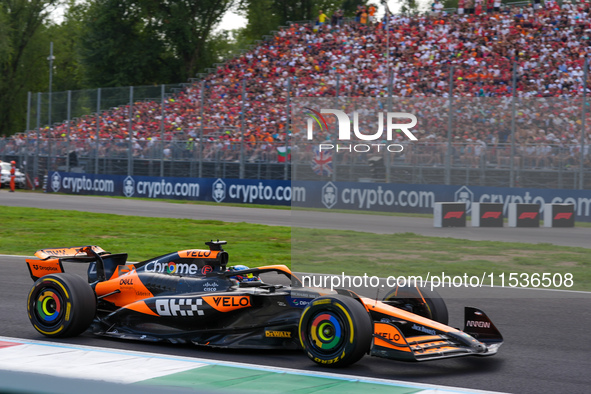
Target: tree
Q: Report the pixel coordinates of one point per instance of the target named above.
(266, 15)
(120, 47)
(186, 26)
(20, 20)
(135, 42)
(261, 18)
(68, 71)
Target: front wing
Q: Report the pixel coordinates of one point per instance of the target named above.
(390, 342)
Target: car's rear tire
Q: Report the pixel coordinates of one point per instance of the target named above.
(419, 300)
(61, 305)
(335, 331)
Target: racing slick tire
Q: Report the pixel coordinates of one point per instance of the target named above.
(419, 300)
(335, 331)
(61, 305)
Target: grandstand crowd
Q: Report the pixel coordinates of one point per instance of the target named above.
(549, 45)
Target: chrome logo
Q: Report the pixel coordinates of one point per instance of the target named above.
(171, 269)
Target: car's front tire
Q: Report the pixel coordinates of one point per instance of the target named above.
(61, 305)
(335, 331)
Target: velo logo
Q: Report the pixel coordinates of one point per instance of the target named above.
(344, 130)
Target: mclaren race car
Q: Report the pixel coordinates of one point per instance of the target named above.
(193, 296)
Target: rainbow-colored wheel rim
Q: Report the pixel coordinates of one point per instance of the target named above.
(326, 331)
(49, 306)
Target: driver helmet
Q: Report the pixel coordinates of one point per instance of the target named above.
(13, 162)
(243, 278)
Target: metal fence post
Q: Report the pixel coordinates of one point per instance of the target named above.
(68, 115)
(449, 127)
(28, 111)
(36, 165)
(162, 131)
(585, 75)
(390, 87)
(513, 94)
(242, 127)
(334, 156)
(389, 109)
(130, 134)
(51, 58)
(98, 121)
(201, 142)
(287, 128)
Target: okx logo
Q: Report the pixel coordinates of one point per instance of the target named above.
(56, 182)
(466, 196)
(219, 190)
(393, 125)
(329, 195)
(128, 186)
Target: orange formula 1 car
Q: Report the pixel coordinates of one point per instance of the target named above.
(191, 296)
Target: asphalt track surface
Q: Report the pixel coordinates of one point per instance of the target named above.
(546, 333)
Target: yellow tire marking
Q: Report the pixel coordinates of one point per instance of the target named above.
(348, 318)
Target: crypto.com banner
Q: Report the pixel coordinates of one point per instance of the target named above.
(407, 198)
(244, 191)
(382, 197)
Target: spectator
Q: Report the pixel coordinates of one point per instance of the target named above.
(334, 19)
(321, 17)
(364, 15)
(551, 46)
(372, 12)
(497, 5)
(437, 7)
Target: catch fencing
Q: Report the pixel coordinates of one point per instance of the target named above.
(191, 130)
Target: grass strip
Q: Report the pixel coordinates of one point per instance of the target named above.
(25, 230)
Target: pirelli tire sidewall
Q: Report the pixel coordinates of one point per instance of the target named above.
(61, 305)
(335, 331)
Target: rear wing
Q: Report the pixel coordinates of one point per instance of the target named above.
(74, 252)
(50, 260)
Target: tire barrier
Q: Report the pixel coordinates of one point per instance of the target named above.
(487, 214)
(524, 215)
(449, 214)
(559, 215)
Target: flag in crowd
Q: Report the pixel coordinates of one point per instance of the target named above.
(283, 154)
(322, 162)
